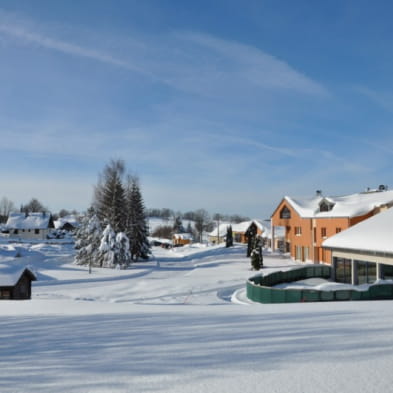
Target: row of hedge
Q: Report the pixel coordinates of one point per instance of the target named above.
(259, 288)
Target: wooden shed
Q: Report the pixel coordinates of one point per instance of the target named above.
(16, 284)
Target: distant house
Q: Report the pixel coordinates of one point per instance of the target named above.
(239, 231)
(181, 239)
(16, 284)
(310, 221)
(30, 225)
(67, 223)
(363, 253)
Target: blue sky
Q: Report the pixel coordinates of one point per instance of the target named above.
(224, 105)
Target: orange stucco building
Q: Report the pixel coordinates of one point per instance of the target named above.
(310, 221)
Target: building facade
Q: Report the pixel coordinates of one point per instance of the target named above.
(308, 222)
(364, 253)
(30, 226)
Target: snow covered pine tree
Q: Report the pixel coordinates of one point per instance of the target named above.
(108, 248)
(110, 201)
(87, 241)
(136, 225)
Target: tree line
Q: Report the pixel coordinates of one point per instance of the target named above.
(166, 214)
(33, 206)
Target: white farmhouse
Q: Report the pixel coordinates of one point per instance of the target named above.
(29, 225)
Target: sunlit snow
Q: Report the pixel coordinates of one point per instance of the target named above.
(182, 323)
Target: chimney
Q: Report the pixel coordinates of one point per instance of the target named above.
(318, 193)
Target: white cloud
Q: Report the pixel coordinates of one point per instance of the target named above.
(196, 63)
(383, 99)
(237, 60)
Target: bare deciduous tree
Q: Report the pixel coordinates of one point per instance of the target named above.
(6, 207)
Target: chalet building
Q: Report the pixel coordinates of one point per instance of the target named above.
(16, 284)
(363, 253)
(30, 226)
(181, 239)
(310, 221)
(218, 235)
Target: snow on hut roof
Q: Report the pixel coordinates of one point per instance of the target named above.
(30, 221)
(183, 236)
(10, 276)
(373, 234)
(342, 206)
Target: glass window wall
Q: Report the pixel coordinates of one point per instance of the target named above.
(343, 269)
(367, 272)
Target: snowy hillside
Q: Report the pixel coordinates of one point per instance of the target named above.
(181, 323)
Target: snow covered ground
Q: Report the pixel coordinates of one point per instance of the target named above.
(182, 323)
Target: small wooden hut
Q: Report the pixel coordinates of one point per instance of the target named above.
(16, 284)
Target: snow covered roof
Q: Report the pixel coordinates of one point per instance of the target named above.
(236, 228)
(183, 236)
(353, 205)
(71, 219)
(9, 277)
(41, 220)
(373, 234)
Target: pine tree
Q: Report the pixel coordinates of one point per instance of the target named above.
(178, 225)
(229, 237)
(110, 199)
(123, 247)
(189, 229)
(256, 254)
(108, 250)
(251, 235)
(136, 224)
(88, 241)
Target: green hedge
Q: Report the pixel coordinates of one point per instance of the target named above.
(259, 288)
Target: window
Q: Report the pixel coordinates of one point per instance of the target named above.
(36, 231)
(298, 253)
(338, 230)
(285, 213)
(325, 206)
(343, 270)
(367, 272)
(306, 253)
(323, 232)
(387, 272)
(298, 231)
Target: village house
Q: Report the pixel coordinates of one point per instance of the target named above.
(30, 226)
(181, 239)
(67, 223)
(218, 235)
(15, 284)
(310, 221)
(363, 253)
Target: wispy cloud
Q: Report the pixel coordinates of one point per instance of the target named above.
(253, 65)
(381, 98)
(64, 47)
(192, 62)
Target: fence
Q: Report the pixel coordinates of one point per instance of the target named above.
(259, 288)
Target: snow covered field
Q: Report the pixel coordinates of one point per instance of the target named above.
(181, 323)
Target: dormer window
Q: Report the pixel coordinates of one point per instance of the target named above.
(325, 206)
(285, 213)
